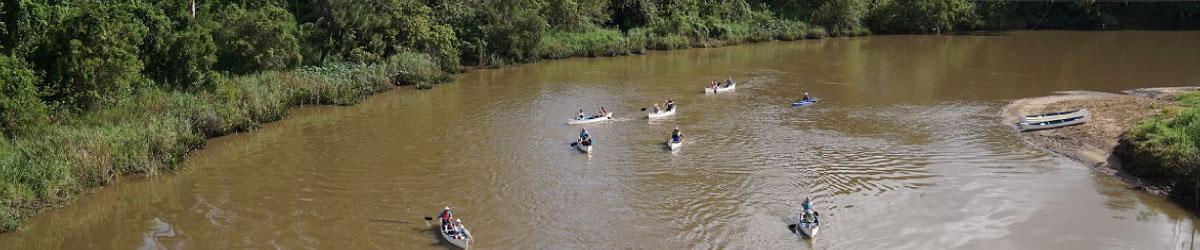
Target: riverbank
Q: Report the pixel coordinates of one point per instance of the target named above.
(152, 130)
(1096, 142)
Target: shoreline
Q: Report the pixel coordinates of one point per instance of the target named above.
(1094, 143)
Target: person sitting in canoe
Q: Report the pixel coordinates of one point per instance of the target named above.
(445, 216)
(676, 135)
(656, 109)
(806, 97)
(670, 104)
(581, 116)
(728, 82)
(603, 112)
(809, 214)
(713, 84)
(583, 134)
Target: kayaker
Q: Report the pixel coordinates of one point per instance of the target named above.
(656, 109)
(676, 135)
(581, 116)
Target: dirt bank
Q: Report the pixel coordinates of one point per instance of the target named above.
(1092, 143)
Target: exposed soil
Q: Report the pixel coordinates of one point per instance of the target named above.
(1092, 143)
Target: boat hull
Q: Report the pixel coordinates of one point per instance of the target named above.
(461, 243)
(673, 146)
(720, 89)
(1031, 126)
(663, 114)
(1055, 116)
(596, 119)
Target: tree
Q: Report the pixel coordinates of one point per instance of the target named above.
(93, 56)
(256, 40)
(21, 110)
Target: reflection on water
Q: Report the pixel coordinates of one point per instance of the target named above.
(903, 151)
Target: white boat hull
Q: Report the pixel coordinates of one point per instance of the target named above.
(807, 229)
(1030, 126)
(463, 243)
(720, 89)
(597, 119)
(674, 145)
(585, 149)
(1054, 116)
(667, 113)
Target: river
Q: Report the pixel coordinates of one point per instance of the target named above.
(905, 151)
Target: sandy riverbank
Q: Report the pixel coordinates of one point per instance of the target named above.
(1093, 143)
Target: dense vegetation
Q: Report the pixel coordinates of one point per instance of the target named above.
(1166, 147)
(95, 89)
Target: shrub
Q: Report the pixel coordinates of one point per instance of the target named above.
(21, 109)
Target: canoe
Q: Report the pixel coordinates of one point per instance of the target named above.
(1030, 126)
(587, 149)
(1055, 116)
(464, 242)
(673, 145)
(662, 114)
(808, 229)
(720, 89)
(591, 119)
(804, 103)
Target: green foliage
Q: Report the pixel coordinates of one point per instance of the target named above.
(180, 53)
(923, 16)
(414, 69)
(369, 32)
(93, 57)
(21, 109)
(1166, 146)
(576, 15)
(258, 39)
(593, 42)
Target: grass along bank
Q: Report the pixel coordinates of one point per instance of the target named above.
(1166, 147)
(153, 130)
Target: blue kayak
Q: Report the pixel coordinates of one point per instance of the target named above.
(804, 103)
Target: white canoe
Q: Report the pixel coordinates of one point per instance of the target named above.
(463, 243)
(674, 145)
(808, 229)
(720, 89)
(1054, 116)
(662, 114)
(1029, 126)
(587, 149)
(591, 119)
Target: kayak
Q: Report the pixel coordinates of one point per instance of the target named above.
(591, 119)
(1054, 116)
(808, 229)
(674, 145)
(463, 239)
(587, 149)
(720, 89)
(804, 103)
(662, 114)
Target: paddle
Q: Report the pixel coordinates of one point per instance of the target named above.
(392, 221)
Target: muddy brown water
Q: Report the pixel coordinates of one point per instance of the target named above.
(904, 151)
